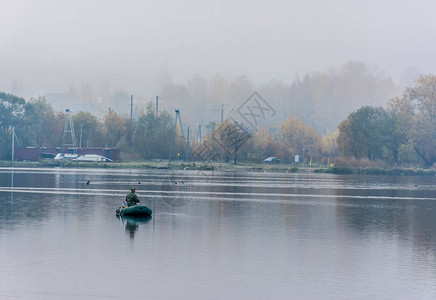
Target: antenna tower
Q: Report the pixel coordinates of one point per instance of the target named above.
(69, 139)
(178, 117)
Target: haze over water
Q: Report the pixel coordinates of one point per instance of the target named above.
(216, 235)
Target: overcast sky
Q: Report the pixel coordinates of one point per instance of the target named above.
(49, 44)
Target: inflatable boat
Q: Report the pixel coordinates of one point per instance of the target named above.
(135, 211)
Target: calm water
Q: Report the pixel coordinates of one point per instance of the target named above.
(220, 235)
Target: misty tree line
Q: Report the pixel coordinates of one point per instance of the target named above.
(149, 137)
(36, 124)
(402, 134)
(320, 99)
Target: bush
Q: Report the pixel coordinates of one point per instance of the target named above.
(358, 163)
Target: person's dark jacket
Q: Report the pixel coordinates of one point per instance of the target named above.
(132, 199)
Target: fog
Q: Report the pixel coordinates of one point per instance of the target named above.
(141, 46)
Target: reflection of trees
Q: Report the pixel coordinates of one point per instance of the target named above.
(17, 206)
(43, 194)
(407, 220)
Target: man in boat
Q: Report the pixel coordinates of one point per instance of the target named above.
(131, 197)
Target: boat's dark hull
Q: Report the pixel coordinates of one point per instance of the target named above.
(136, 211)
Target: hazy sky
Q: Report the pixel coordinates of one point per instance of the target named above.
(134, 44)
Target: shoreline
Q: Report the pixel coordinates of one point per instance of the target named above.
(248, 167)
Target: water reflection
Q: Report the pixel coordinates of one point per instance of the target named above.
(390, 204)
(242, 235)
(133, 223)
(12, 185)
(406, 221)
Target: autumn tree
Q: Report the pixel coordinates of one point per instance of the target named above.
(230, 136)
(329, 146)
(115, 129)
(415, 111)
(262, 145)
(299, 139)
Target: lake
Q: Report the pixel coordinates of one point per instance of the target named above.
(216, 235)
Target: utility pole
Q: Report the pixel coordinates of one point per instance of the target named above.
(303, 146)
(90, 137)
(157, 106)
(198, 137)
(222, 112)
(81, 132)
(131, 107)
(130, 127)
(13, 142)
(187, 154)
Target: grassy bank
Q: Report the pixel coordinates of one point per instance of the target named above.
(378, 171)
(151, 165)
(249, 167)
(72, 164)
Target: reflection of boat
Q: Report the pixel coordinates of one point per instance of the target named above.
(132, 223)
(134, 220)
(136, 211)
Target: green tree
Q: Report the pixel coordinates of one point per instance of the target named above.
(88, 130)
(11, 111)
(11, 114)
(153, 134)
(39, 124)
(57, 130)
(366, 133)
